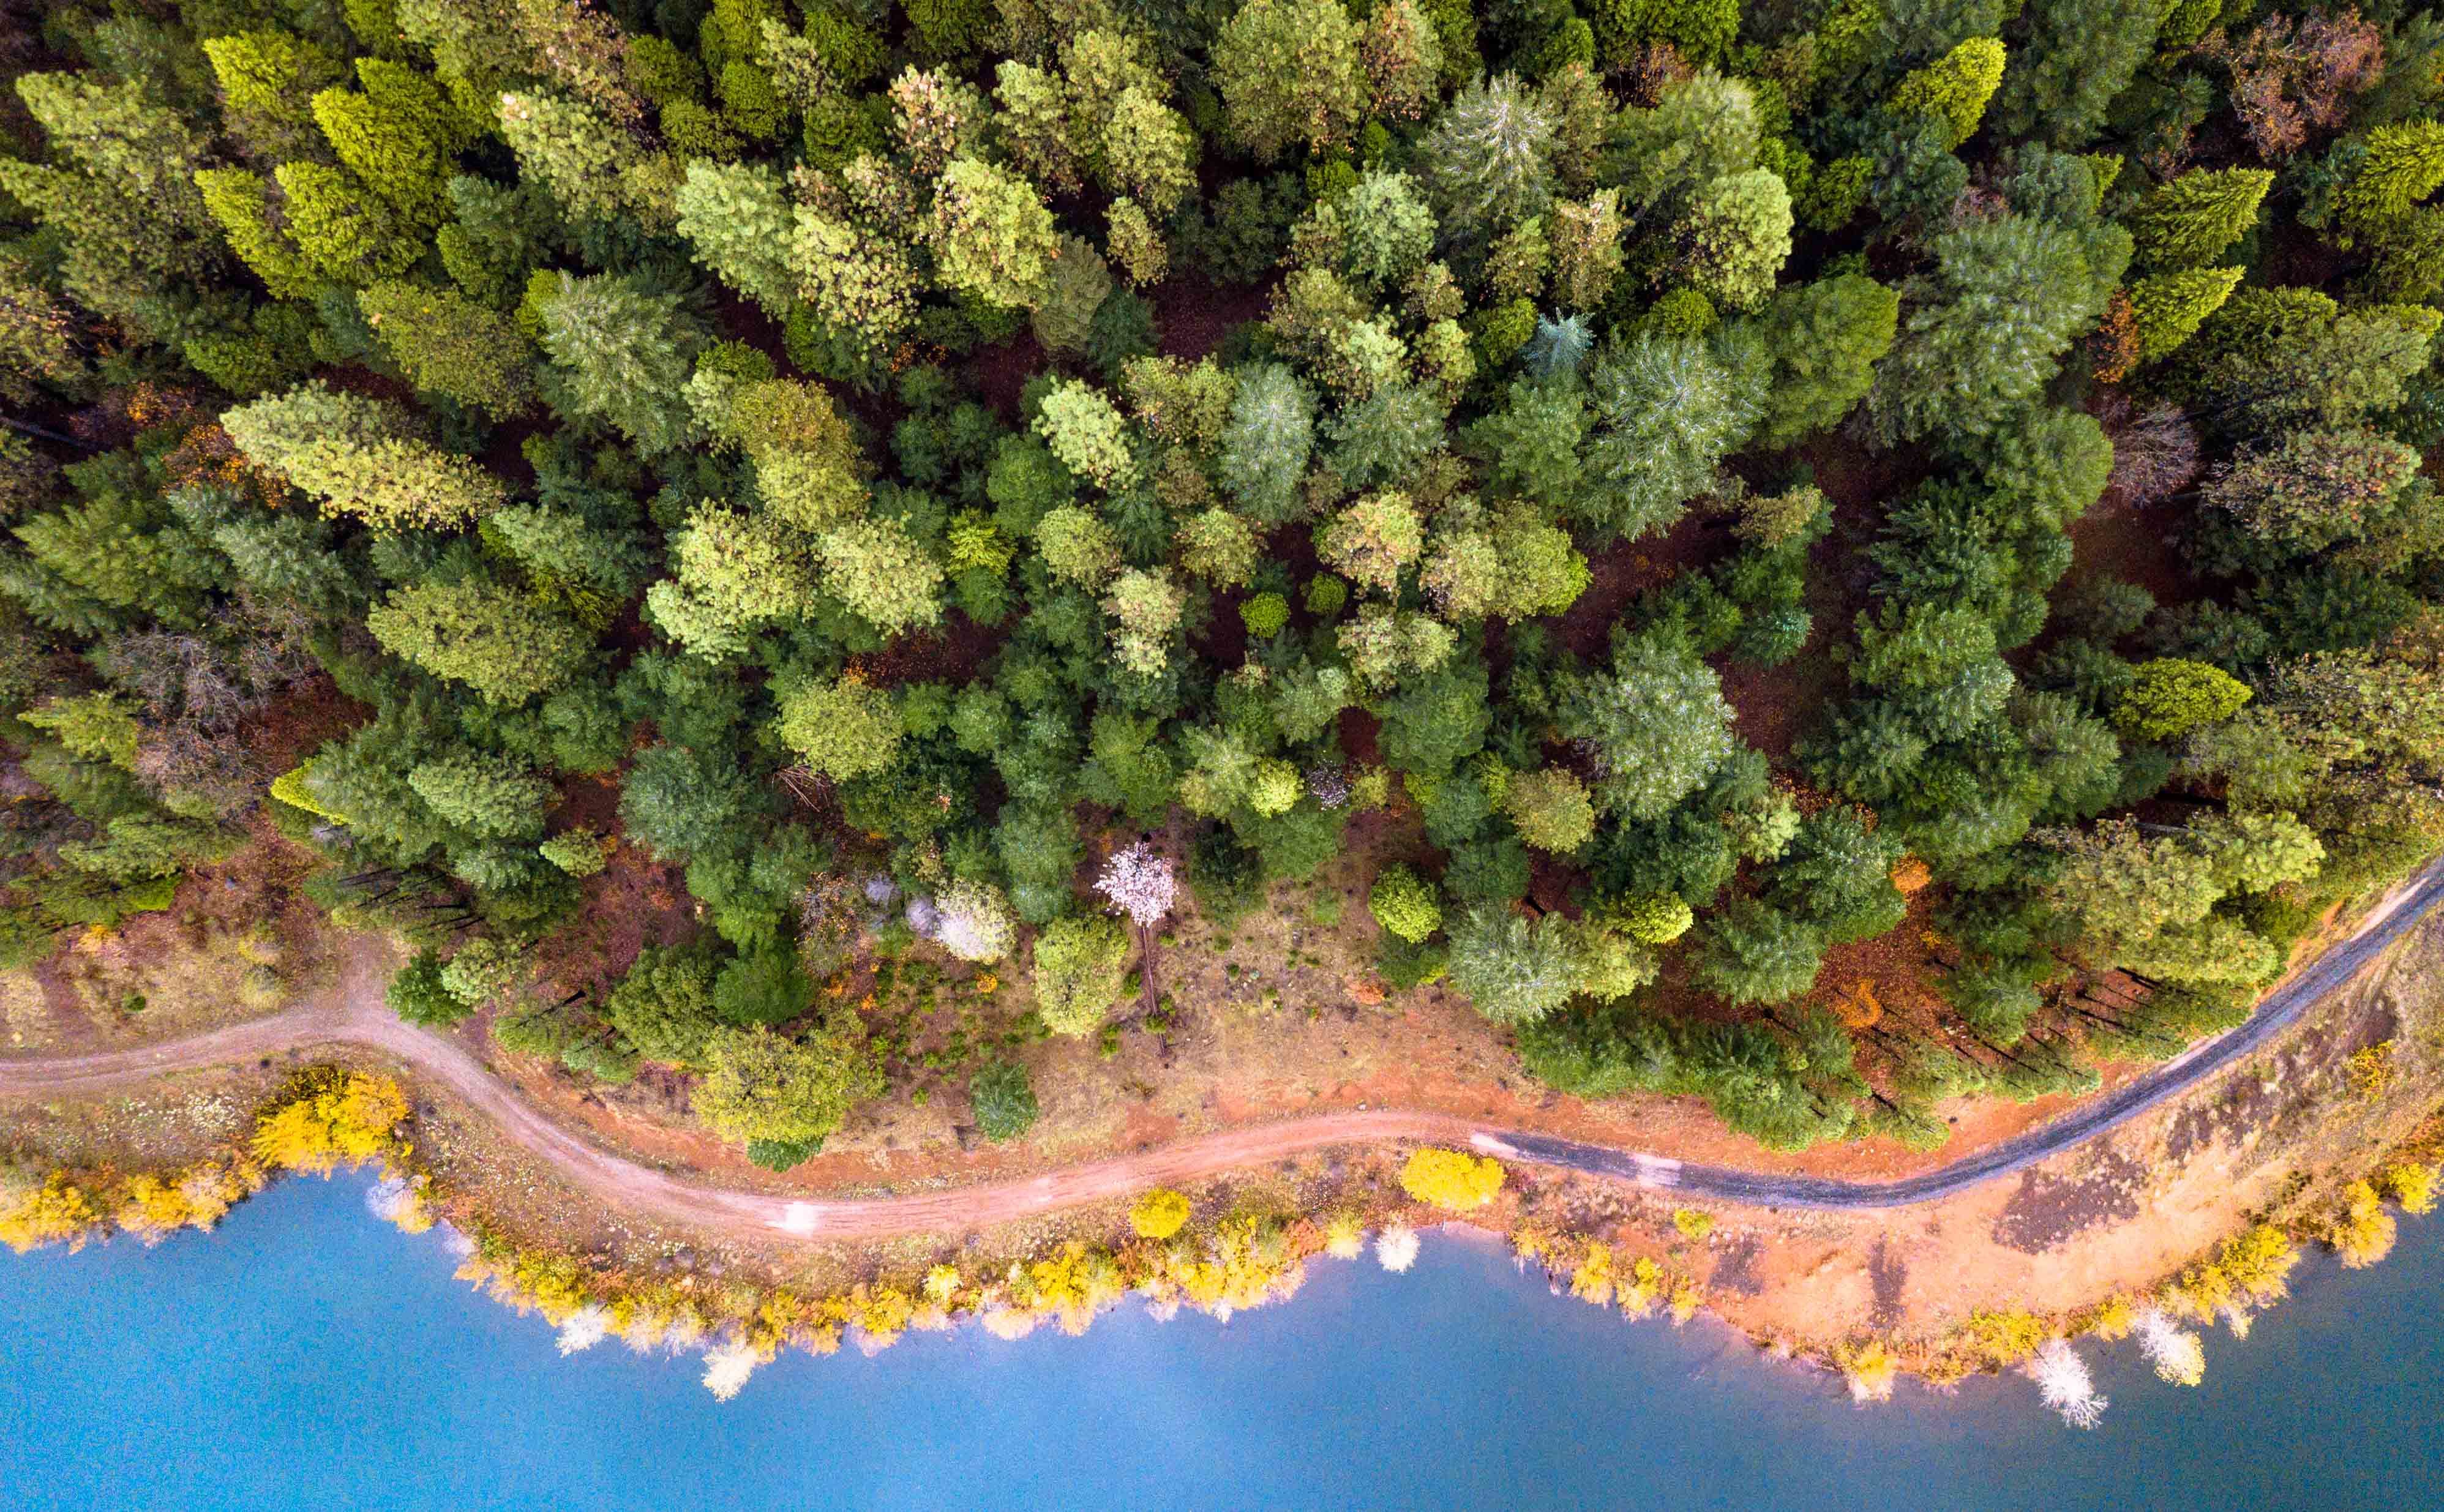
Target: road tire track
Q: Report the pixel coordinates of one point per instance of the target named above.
(360, 1017)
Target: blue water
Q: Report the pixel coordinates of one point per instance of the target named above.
(310, 1356)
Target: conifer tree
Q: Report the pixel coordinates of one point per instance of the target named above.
(740, 221)
(2169, 308)
(1487, 160)
(623, 355)
(1954, 88)
(2188, 222)
(491, 637)
(990, 234)
(449, 345)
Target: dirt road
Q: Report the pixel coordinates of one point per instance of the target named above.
(353, 1013)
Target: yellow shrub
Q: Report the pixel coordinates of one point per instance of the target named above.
(2364, 1233)
(1451, 1179)
(1159, 1213)
(1869, 1368)
(2413, 1186)
(2005, 1339)
(56, 1211)
(329, 1117)
(1693, 1226)
(2113, 1318)
(1592, 1280)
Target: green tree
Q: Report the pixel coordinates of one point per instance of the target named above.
(2078, 58)
(842, 727)
(2168, 308)
(417, 994)
(1824, 339)
(883, 574)
(2007, 299)
(1487, 161)
(2170, 697)
(1514, 971)
(1003, 1100)
(990, 235)
(1954, 88)
(1752, 953)
(758, 1086)
(1289, 73)
(492, 638)
(490, 795)
(1087, 433)
(738, 216)
(1404, 903)
(1266, 442)
(2188, 222)
(664, 1003)
(1373, 540)
(1657, 724)
(1664, 410)
(1738, 235)
(449, 345)
(1387, 231)
(1080, 973)
(623, 355)
(1550, 809)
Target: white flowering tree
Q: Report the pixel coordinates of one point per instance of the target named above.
(1141, 882)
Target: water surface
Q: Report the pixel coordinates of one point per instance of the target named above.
(308, 1356)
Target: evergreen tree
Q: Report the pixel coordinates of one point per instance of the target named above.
(1663, 411)
(1265, 441)
(486, 795)
(623, 356)
(1657, 724)
(2168, 308)
(495, 640)
(449, 345)
(1955, 89)
(740, 221)
(1824, 339)
(2189, 221)
(1488, 160)
(2076, 59)
(990, 235)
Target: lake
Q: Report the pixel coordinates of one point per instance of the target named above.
(308, 1355)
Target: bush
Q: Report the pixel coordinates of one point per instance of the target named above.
(1159, 1213)
(1404, 903)
(1003, 1100)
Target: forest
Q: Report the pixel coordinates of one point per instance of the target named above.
(1700, 495)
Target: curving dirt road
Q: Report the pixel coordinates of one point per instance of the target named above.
(360, 1017)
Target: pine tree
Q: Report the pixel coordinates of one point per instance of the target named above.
(268, 80)
(495, 640)
(991, 235)
(623, 356)
(2077, 59)
(842, 729)
(1657, 724)
(240, 203)
(348, 235)
(2170, 307)
(739, 219)
(1664, 412)
(1487, 161)
(491, 796)
(2187, 222)
(1738, 236)
(883, 574)
(1266, 442)
(388, 152)
(580, 159)
(2403, 165)
(1954, 88)
(1825, 338)
(449, 345)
